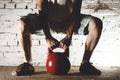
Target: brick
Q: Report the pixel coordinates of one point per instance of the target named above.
(11, 59)
(1, 55)
(12, 42)
(4, 12)
(3, 43)
(31, 5)
(36, 42)
(36, 37)
(113, 5)
(1, 5)
(9, 42)
(2, 1)
(17, 0)
(9, 18)
(8, 49)
(43, 42)
(8, 36)
(27, 0)
(15, 13)
(24, 1)
(7, 27)
(21, 5)
(10, 5)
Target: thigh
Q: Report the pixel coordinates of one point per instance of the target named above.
(32, 22)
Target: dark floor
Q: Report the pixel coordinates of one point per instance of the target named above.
(108, 73)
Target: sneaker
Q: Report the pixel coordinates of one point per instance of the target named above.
(88, 69)
(24, 69)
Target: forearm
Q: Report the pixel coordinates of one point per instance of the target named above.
(77, 6)
(74, 18)
(69, 32)
(42, 8)
(46, 31)
(42, 5)
(39, 4)
(66, 41)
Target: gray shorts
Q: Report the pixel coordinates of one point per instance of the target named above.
(33, 21)
(83, 29)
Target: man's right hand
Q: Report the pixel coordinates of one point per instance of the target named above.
(52, 42)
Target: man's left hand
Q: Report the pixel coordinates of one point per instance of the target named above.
(65, 43)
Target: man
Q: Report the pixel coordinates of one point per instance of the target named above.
(60, 16)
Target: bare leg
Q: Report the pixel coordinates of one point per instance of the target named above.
(25, 40)
(24, 36)
(25, 43)
(94, 28)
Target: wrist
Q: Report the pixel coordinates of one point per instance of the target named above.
(68, 37)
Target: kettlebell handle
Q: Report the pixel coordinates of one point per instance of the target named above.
(66, 53)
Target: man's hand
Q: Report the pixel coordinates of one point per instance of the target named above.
(65, 43)
(52, 43)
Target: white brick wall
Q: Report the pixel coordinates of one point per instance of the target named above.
(106, 52)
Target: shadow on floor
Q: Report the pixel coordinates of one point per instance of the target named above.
(40, 72)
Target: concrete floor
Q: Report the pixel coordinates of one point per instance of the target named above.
(108, 73)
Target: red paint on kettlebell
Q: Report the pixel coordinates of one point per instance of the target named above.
(57, 63)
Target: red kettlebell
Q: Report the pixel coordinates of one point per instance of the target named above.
(57, 63)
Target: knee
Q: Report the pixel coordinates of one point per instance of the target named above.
(99, 24)
(22, 26)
